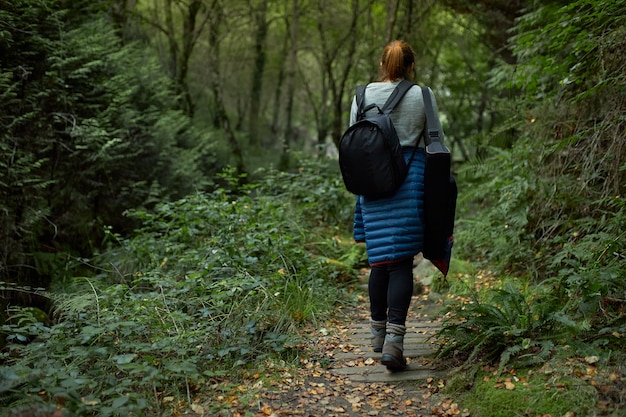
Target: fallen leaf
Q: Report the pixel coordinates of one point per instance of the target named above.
(267, 411)
(337, 409)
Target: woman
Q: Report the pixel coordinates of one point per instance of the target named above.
(393, 228)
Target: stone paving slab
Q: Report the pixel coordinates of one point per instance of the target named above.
(409, 352)
(361, 364)
(423, 325)
(378, 373)
(363, 338)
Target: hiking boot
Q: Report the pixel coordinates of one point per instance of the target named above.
(393, 348)
(379, 329)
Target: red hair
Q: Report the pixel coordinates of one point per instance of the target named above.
(397, 61)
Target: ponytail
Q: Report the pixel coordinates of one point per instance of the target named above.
(396, 62)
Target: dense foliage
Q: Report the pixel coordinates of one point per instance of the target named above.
(210, 285)
(554, 213)
(89, 129)
(118, 105)
(166, 270)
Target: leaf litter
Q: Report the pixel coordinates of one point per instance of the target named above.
(313, 389)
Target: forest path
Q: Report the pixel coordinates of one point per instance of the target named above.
(343, 377)
(360, 363)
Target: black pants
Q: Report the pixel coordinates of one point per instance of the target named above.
(390, 290)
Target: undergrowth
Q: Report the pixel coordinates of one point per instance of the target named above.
(547, 213)
(210, 286)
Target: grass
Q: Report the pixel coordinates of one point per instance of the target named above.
(564, 386)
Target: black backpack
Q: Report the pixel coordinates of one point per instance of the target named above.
(370, 155)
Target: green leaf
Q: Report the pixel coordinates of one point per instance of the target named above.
(119, 402)
(125, 358)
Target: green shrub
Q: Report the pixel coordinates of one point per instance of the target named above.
(550, 207)
(507, 324)
(210, 284)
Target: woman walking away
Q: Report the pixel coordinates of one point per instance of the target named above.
(393, 227)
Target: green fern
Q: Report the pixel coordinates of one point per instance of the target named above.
(508, 325)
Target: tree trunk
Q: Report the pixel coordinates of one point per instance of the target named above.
(414, 15)
(260, 37)
(275, 129)
(171, 41)
(180, 54)
(221, 119)
(497, 18)
(121, 11)
(338, 88)
(189, 41)
(392, 15)
(294, 28)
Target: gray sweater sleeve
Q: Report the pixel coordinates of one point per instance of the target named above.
(408, 117)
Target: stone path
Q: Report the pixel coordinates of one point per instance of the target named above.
(359, 363)
(343, 377)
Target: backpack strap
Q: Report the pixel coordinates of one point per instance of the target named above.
(393, 100)
(360, 97)
(433, 134)
(396, 95)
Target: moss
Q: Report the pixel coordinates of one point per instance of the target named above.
(524, 395)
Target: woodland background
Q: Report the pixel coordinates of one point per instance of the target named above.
(115, 105)
(135, 132)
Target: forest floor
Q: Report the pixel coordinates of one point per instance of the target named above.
(340, 376)
(334, 373)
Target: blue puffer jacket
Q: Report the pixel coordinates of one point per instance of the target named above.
(393, 228)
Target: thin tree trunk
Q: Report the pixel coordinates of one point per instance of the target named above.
(260, 19)
(338, 88)
(221, 119)
(121, 10)
(392, 16)
(278, 91)
(178, 56)
(171, 39)
(415, 13)
(189, 41)
(291, 84)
